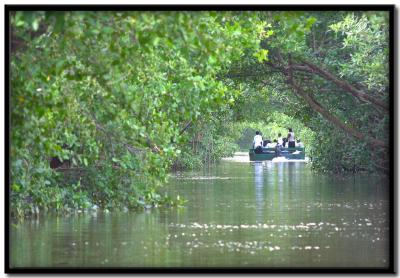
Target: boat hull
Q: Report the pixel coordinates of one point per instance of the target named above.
(269, 154)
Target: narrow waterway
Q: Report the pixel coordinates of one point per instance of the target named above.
(237, 215)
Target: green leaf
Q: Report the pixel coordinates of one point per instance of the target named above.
(262, 55)
(35, 25)
(15, 187)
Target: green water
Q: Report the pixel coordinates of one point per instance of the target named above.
(238, 215)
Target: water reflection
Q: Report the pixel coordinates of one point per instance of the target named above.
(259, 190)
(261, 214)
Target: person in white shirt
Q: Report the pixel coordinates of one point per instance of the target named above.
(299, 144)
(257, 142)
(291, 139)
(272, 144)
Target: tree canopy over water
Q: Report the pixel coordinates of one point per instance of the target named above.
(121, 98)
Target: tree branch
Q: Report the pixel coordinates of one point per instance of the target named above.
(344, 85)
(185, 128)
(316, 106)
(130, 148)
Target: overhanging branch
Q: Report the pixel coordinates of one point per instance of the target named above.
(316, 106)
(344, 85)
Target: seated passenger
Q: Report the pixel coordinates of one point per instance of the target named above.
(284, 142)
(266, 142)
(272, 144)
(277, 148)
(299, 144)
(280, 139)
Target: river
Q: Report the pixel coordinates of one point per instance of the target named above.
(239, 214)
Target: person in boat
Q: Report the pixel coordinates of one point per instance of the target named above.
(284, 142)
(280, 139)
(266, 142)
(257, 143)
(291, 139)
(299, 144)
(277, 148)
(269, 144)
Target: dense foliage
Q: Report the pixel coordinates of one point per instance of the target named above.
(121, 98)
(113, 93)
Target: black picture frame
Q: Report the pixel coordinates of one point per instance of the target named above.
(393, 134)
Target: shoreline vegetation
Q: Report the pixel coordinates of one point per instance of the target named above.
(104, 105)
